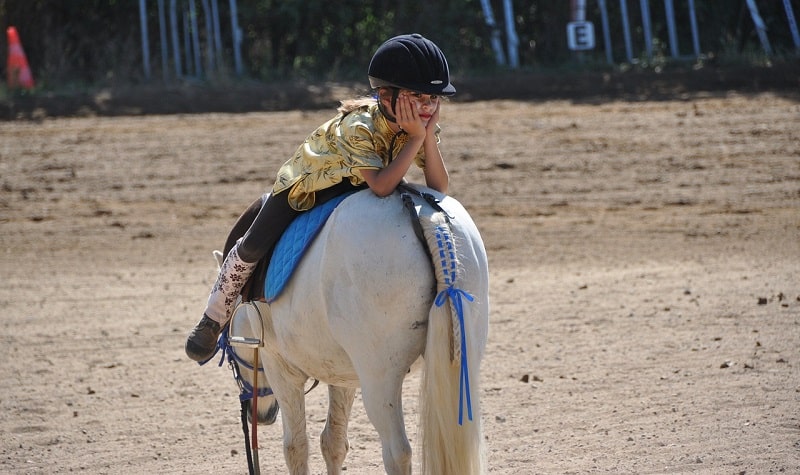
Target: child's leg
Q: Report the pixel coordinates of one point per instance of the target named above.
(273, 218)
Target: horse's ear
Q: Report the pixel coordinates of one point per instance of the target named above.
(218, 257)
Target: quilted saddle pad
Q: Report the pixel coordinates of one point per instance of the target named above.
(293, 244)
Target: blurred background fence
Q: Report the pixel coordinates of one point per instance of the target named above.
(79, 43)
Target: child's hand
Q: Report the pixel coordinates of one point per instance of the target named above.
(431, 127)
(408, 119)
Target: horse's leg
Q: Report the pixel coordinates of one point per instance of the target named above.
(333, 440)
(287, 385)
(382, 395)
(295, 438)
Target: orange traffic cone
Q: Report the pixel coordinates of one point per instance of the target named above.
(19, 74)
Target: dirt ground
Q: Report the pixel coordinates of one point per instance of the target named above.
(645, 285)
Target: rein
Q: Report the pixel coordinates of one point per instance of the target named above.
(235, 361)
(246, 390)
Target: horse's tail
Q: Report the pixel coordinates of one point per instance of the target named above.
(450, 414)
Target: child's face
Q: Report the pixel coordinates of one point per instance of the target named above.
(425, 104)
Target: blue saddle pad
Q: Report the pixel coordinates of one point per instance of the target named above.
(293, 244)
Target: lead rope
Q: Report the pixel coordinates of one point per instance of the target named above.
(243, 414)
(246, 391)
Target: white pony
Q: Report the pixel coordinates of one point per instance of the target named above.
(362, 306)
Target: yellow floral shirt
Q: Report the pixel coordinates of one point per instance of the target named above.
(339, 149)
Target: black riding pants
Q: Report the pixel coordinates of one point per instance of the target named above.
(274, 217)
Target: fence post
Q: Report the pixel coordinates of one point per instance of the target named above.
(761, 28)
(145, 40)
(237, 38)
(695, 33)
(606, 32)
(217, 34)
(512, 41)
(176, 46)
(673, 35)
(494, 32)
(626, 30)
(162, 33)
(787, 5)
(648, 33)
(211, 65)
(198, 67)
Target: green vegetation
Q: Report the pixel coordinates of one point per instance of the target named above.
(98, 43)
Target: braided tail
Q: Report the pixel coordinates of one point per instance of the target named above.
(451, 440)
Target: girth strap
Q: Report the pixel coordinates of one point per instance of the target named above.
(408, 202)
(429, 198)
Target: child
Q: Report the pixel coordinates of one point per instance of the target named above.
(372, 141)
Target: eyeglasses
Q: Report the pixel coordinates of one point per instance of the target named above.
(420, 98)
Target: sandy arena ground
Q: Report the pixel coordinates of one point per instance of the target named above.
(645, 284)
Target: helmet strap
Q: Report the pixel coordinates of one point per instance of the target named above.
(389, 116)
(392, 143)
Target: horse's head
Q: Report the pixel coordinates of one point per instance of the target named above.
(244, 324)
(246, 329)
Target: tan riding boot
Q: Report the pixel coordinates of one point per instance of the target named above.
(233, 274)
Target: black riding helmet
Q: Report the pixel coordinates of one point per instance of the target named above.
(411, 62)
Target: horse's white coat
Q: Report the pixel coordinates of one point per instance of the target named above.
(355, 314)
